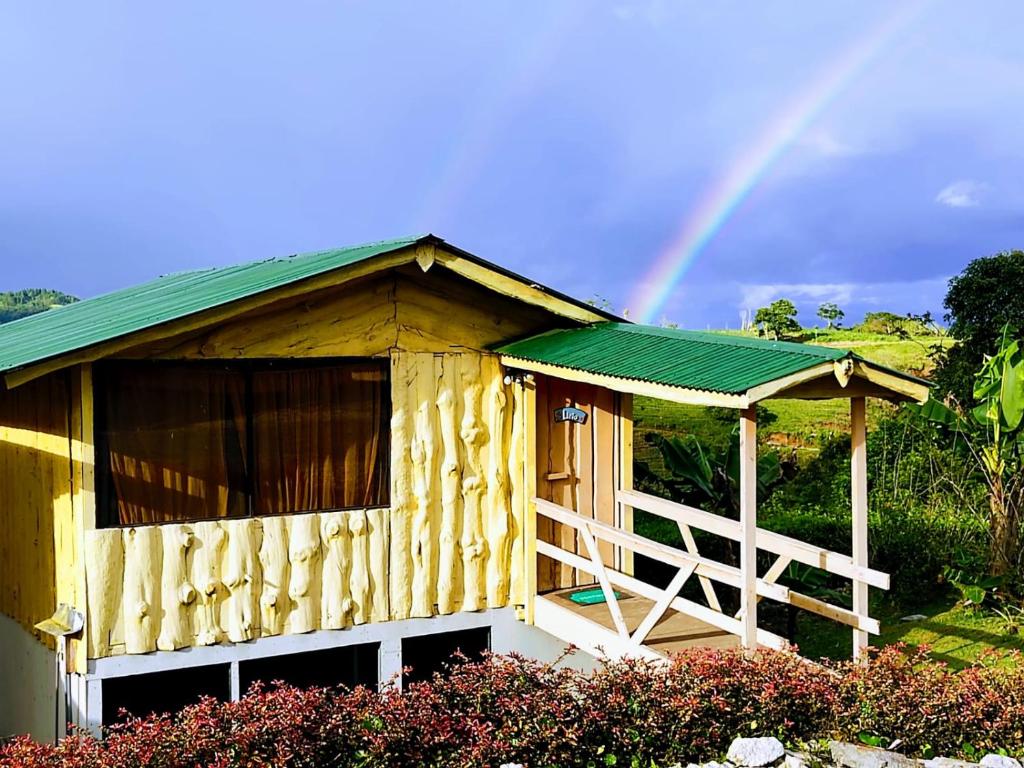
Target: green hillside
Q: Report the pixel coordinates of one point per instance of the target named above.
(28, 301)
(794, 424)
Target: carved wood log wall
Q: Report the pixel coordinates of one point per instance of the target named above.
(448, 542)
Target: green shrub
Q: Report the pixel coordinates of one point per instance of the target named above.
(926, 502)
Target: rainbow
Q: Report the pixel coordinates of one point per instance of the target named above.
(723, 197)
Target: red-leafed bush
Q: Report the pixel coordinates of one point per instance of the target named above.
(629, 713)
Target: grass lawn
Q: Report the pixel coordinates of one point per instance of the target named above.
(955, 635)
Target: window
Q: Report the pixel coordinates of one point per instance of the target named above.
(193, 441)
(349, 665)
(423, 656)
(168, 691)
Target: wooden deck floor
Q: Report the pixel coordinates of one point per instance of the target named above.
(674, 632)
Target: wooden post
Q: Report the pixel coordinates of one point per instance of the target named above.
(529, 492)
(859, 497)
(624, 419)
(748, 525)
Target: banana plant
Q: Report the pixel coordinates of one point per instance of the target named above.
(994, 430)
(707, 478)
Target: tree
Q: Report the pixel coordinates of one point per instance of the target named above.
(831, 314)
(888, 323)
(15, 305)
(777, 319)
(994, 431)
(986, 296)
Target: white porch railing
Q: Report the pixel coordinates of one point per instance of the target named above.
(689, 563)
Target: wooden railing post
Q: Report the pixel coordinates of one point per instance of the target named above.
(859, 497)
(748, 525)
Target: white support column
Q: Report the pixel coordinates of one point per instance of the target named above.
(234, 682)
(94, 706)
(859, 497)
(748, 525)
(389, 666)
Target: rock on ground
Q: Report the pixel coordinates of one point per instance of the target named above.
(757, 752)
(999, 761)
(948, 762)
(857, 756)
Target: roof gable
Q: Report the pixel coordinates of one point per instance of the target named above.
(122, 314)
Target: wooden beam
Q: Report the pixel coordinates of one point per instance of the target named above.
(602, 577)
(588, 635)
(624, 420)
(748, 525)
(523, 290)
(768, 389)
(726, 574)
(632, 386)
(661, 605)
(911, 390)
(859, 496)
(802, 552)
(725, 623)
(530, 489)
(705, 583)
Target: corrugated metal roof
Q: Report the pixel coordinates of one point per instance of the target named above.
(707, 361)
(67, 329)
(85, 323)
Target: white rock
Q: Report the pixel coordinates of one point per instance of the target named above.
(755, 753)
(999, 761)
(948, 762)
(914, 617)
(794, 760)
(857, 756)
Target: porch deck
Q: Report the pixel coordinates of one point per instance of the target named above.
(673, 632)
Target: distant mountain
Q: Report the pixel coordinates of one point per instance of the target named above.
(18, 304)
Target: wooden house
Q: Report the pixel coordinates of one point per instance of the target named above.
(324, 467)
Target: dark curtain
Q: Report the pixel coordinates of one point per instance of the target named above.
(176, 442)
(319, 438)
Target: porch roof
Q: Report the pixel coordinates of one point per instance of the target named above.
(707, 368)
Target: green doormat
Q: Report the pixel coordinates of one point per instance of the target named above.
(591, 596)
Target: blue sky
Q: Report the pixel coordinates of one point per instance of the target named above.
(569, 141)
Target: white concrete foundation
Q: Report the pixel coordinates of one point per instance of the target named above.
(508, 634)
(537, 644)
(30, 704)
(28, 697)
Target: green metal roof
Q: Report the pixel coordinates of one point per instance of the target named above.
(691, 359)
(85, 323)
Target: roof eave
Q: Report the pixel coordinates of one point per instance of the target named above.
(657, 390)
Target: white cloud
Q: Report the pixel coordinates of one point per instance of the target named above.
(899, 296)
(961, 194)
(754, 296)
(826, 144)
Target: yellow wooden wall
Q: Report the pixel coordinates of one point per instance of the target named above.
(35, 496)
(452, 538)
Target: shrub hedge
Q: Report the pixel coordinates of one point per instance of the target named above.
(629, 713)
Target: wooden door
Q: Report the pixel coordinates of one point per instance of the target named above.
(579, 466)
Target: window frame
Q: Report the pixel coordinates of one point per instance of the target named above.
(103, 371)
